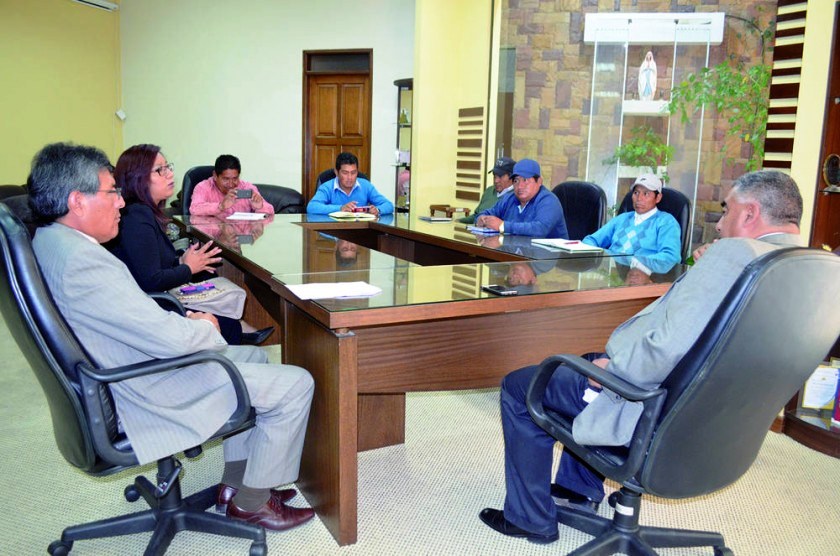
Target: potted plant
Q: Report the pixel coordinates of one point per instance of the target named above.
(737, 92)
(645, 149)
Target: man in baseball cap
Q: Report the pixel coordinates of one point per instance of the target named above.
(502, 185)
(647, 231)
(532, 210)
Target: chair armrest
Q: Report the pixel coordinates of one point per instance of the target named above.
(603, 460)
(169, 302)
(92, 380)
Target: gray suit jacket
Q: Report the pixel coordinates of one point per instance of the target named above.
(645, 348)
(118, 325)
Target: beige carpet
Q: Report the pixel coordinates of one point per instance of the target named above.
(421, 498)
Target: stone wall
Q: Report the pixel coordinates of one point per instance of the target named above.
(554, 79)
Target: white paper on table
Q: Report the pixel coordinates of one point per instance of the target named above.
(332, 290)
(247, 216)
(820, 388)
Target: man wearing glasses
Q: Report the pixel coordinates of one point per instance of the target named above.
(72, 188)
(224, 193)
(532, 210)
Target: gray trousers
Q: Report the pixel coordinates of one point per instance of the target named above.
(281, 396)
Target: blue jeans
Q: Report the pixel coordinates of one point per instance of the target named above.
(529, 450)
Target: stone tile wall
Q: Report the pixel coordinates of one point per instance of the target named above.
(554, 78)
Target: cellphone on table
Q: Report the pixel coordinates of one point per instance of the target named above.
(499, 289)
(365, 208)
(244, 193)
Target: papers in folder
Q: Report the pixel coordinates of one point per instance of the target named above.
(247, 216)
(345, 215)
(481, 230)
(334, 290)
(571, 246)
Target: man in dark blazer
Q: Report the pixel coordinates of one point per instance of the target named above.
(118, 324)
(761, 213)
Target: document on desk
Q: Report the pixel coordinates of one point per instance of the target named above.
(247, 216)
(435, 218)
(346, 215)
(334, 290)
(481, 230)
(571, 246)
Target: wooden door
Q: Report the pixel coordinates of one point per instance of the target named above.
(338, 114)
(826, 230)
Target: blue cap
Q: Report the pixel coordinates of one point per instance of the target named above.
(526, 168)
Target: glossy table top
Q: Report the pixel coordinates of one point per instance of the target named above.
(300, 249)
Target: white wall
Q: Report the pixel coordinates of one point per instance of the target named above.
(206, 77)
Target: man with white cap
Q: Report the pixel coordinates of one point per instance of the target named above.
(532, 210)
(647, 231)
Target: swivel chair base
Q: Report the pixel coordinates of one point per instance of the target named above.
(624, 535)
(168, 515)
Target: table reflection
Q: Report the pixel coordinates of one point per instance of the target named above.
(414, 285)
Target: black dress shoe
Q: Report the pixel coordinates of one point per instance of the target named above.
(226, 494)
(274, 515)
(565, 497)
(256, 338)
(495, 519)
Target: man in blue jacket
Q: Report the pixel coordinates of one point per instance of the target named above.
(532, 210)
(347, 191)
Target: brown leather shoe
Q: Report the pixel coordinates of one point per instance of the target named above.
(274, 515)
(226, 493)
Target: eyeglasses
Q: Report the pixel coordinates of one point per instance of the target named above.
(162, 170)
(113, 191)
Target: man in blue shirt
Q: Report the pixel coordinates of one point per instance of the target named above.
(347, 191)
(647, 231)
(532, 210)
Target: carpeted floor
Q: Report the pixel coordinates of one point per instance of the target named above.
(421, 498)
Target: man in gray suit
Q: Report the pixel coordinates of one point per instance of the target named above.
(760, 214)
(72, 187)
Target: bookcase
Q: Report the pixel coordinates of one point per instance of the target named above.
(402, 155)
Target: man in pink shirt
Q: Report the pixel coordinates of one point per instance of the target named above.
(224, 193)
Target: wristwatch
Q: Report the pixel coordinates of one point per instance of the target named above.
(502, 228)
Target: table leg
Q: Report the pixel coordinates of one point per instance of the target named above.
(329, 473)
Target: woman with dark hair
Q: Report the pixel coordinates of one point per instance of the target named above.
(147, 181)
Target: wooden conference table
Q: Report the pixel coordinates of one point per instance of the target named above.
(431, 328)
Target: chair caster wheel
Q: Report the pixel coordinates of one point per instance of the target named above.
(258, 549)
(131, 493)
(723, 551)
(60, 548)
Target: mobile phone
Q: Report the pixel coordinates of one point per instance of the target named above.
(244, 193)
(197, 288)
(365, 208)
(499, 289)
(245, 239)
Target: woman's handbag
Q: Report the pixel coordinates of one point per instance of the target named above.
(218, 295)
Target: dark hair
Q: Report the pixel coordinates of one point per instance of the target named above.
(134, 175)
(226, 162)
(59, 169)
(776, 193)
(346, 158)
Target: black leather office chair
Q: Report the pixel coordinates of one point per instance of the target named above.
(702, 429)
(193, 177)
(285, 200)
(675, 203)
(584, 206)
(85, 424)
(327, 175)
